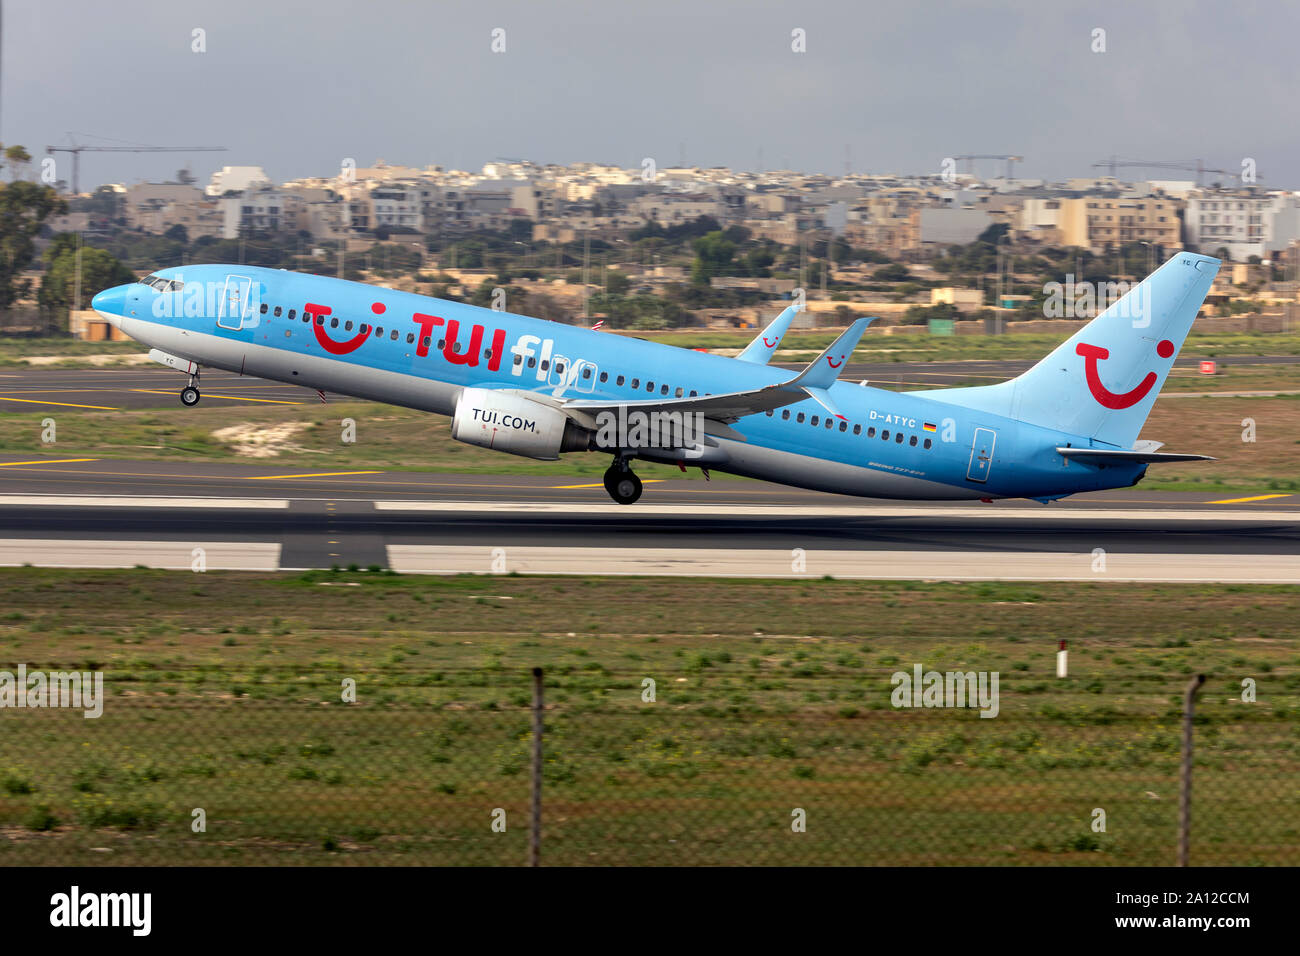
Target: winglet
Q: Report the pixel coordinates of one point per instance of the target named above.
(823, 398)
(826, 368)
(761, 350)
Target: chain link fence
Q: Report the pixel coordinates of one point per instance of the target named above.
(718, 767)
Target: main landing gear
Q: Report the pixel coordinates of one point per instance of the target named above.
(190, 393)
(621, 483)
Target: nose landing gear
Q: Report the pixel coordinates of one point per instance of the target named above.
(622, 484)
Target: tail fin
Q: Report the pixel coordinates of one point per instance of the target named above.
(1103, 380)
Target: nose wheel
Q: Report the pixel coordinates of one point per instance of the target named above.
(622, 484)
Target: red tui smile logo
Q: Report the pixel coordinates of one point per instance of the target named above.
(770, 345)
(1092, 354)
(327, 343)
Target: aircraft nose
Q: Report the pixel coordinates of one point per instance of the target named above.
(111, 303)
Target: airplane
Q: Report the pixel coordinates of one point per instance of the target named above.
(541, 389)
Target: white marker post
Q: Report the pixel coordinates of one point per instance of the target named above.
(1061, 663)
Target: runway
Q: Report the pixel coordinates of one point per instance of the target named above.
(91, 513)
(153, 386)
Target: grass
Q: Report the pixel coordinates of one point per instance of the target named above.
(770, 697)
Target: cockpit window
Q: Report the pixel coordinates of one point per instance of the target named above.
(161, 284)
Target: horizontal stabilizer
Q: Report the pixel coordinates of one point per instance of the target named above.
(1100, 456)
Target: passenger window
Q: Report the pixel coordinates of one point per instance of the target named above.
(379, 330)
(785, 413)
(884, 436)
(365, 329)
(857, 429)
(927, 443)
(545, 364)
(277, 311)
(559, 368)
(334, 323)
(663, 389)
(532, 362)
(769, 413)
(649, 386)
(619, 380)
(678, 394)
(604, 377)
(813, 421)
(292, 313)
(898, 437)
(264, 308)
(799, 418)
(831, 424)
(519, 359)
(347, 326)
(912, 441)
(393, 335)
(442, 344)
(320, 320)
(871, 432)
(410, 338)
(586, 372)
(636, 383)
(694, 393)
(428, 339)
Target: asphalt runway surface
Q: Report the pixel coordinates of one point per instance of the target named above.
(43, 390)
(102, 513)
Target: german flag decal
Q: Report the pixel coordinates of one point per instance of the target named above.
(929, 426)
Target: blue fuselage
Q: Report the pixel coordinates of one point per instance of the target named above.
(419, 352)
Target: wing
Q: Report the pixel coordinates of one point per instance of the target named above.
(812, 382)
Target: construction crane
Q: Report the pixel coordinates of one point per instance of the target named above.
(77, 150)
(970, 161)
(1198, 167)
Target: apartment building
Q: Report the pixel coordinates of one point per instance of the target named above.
(1232, 220)
(1098, 223)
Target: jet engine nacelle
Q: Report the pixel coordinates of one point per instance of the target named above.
(515, 425)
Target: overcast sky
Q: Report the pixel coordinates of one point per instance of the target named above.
(298, 86)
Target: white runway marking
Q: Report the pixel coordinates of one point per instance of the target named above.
(991, 512)
(875, 565)
(170, 555)
(130, 501)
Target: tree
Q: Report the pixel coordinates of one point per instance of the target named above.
(713, 255)
(17, 159)
(24, 207)
(99, 270)
(617, 281)
(895, 272)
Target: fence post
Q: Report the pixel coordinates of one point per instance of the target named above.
(1185, 795)
(535, 833)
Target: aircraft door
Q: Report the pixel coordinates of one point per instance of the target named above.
(981, 454)
(234, 305)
